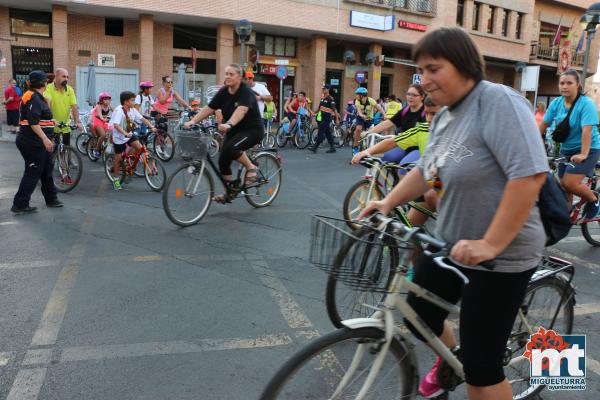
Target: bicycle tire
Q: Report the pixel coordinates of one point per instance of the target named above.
(314, 135)
(325, 367)
(301, 141)
(214, 148)
(339, 138)
(140, 167)
(586, 228)
(90, 146)
(164, 146)
(81, 142)
(155, 173)
(72, 168)
(270, 169)
(175, 187)
(280, 137)
(268, 142)
(519, 337)
(350, 213)
(108, 166)
(336, 292)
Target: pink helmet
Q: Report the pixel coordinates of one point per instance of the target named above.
(104, 95)
(146, 84)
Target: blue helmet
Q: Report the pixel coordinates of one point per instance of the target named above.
(361, 90)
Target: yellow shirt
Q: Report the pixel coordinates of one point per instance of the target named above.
(393, 107)
(60, 104)
(368, 108)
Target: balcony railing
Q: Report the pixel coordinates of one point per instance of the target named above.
(423, 7)
(550, 53)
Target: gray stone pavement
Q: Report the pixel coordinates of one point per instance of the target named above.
(106, 299)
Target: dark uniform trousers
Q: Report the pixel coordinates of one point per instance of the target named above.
(325, 130)
(38, 167)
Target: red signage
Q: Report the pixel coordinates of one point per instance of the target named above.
(268, 69)
(412, 25)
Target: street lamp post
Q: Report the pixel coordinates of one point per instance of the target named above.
(244, 29)
(591, 18)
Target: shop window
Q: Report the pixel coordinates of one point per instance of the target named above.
(30, 23)
(335, 53)
(460, 11)
(27, 59)
(206, 66)
(505, 22)
(476, 12)
(276, 45)
(519, 30)
(186, 37)
(490, 21)
(113, 26)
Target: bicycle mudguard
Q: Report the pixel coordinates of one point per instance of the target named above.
(356, 323)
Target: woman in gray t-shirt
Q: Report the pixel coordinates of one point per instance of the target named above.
(486, 162)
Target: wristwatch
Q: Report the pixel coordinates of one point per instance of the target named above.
(230, 125)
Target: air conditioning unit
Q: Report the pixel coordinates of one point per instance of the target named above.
(252, 39)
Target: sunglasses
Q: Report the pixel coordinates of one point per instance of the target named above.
(413, 94)
(168, 81)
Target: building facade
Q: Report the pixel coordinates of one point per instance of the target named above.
(310, 38)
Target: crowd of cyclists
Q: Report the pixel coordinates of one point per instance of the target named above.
(479, 162)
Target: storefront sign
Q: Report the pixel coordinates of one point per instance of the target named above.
(106, 60)
(412, 25)
(371, 21)
(271, 69)
(282, 62)
(282, 72)
(334, 82)
(360, 77)
(416, 79)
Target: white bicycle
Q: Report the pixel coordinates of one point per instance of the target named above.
(374, 358)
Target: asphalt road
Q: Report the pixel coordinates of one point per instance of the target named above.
(106, 299)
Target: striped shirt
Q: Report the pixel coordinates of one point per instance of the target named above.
(418, 136)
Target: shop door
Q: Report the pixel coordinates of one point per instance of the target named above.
(272, 84)
(384, 86)
(334, 78)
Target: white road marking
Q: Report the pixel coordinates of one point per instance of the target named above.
(5, 358)
(574, 258)
(290, 310)
(586, 309)
(27, 384)
(30, 264)
(5, 223)
(38, 356)
(84, 353)
(572, 239)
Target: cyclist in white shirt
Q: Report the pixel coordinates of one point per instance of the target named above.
(262, 93)
(143, 103)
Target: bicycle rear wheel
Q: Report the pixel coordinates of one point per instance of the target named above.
(154, 172)
(317, 370)
(314, 135)
(67, 169)
(268, 141)
(90, 146)
(357, 198)
(164, 146)
(301, 140)
(187, 195)
(377, 263)
(109, 163)
(542, 300)
(281, 137)
(270, 175)
(339, 136)
(591, 232)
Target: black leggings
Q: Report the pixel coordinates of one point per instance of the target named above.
(490, 303)
(233, 147)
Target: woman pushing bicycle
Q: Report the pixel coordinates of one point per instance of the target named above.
(487, 170)
(243, 127)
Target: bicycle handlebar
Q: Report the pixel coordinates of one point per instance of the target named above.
(370, 161)
(417, 236)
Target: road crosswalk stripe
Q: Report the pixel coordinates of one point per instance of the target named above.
(27, 384)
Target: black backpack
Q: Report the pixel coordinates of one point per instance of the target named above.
(554, 210)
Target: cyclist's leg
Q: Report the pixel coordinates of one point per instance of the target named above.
(119, 149)
(358, 131)
(416, 217)
(101, 133)
(395, 155)
(67, 138)
(233, 149)
(572, 176)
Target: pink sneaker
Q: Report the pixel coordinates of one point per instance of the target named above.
(429, 388)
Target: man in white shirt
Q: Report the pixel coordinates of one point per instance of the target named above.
(262, 93)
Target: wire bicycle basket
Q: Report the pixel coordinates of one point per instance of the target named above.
(360, 259)
(191, 145)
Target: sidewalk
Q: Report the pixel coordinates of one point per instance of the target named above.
(5, 135)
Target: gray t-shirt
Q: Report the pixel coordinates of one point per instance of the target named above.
(474, 149)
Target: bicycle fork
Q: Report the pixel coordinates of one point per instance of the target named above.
(193, 183)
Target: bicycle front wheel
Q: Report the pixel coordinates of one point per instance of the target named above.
(591, 232)
(164, 146)
(81, 142)
(317, 370)
(270, 175)
(357, 198)
(154, 172)
(377, 263)
(90, 146)
(339, 136)
(268, 141)
(301, 140)
(280, 137)
(314, 135)
(187, 195)
(549, 304)
(67, 169)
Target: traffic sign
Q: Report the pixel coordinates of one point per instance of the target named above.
(416, 79)
(360, 77)
(282, 72)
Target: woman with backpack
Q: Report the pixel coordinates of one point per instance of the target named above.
(575, 122)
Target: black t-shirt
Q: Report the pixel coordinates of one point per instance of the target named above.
(327, 106)
(405, 120)
(228, 102)
(35, 110)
